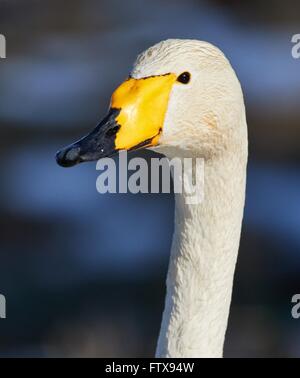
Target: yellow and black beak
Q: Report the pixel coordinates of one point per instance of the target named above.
(135, 120)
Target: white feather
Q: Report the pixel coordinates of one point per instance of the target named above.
(205, 118)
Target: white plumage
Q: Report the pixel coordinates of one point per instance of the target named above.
(184, 98)
(205, 118)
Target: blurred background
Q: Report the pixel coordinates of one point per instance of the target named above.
(81, 272)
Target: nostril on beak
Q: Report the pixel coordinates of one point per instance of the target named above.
(68, 157)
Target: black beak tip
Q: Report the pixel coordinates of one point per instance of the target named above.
(68, 157)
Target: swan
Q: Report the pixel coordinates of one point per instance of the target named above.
(183, 98)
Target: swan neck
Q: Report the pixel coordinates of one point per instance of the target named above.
(202, 263)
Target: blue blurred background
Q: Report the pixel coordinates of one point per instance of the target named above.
(82, 273)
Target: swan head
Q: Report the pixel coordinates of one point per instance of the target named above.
(182, 96)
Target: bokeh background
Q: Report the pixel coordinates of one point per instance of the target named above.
(82, 273)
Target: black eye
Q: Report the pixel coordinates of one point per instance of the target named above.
(184, 78)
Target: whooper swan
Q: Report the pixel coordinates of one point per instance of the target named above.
(184, 99)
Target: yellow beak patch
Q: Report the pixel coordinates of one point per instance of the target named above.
(143, 104)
